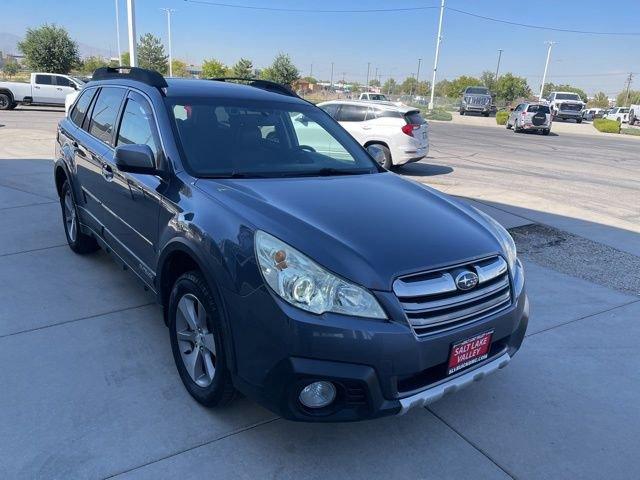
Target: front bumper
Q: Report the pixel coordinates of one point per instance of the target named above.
(379, 368)
(476, 108)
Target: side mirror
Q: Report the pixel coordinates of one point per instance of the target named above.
(511, 109)
(376, 153)
(135, 159)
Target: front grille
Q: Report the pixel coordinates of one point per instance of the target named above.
(570, 107)
(477, 100)
(433, 303)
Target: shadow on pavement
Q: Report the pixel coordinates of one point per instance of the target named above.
(420, 169)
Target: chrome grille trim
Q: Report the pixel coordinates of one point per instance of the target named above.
(432, 303)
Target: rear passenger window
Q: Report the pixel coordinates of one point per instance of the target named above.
(82, 105)
(104, 114)
(331, 109)
(538, 108)
(63, 82)
(137, 125)
(44, 79)
(352, 113)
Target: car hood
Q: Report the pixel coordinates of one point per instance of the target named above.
(366, 228)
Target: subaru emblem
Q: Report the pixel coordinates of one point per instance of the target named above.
(466, 280)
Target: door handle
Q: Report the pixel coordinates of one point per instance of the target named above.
(107, 172)
(37, 87)
(59, 88)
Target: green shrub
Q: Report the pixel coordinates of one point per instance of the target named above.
(606, 126)
(630, 131)
(441, 115)
(502, 117)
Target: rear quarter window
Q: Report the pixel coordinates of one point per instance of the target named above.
(414, 118)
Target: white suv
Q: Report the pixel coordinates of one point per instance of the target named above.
(400, 131)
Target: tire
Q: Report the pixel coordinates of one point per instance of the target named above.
(461, 112)
(486, 114)
(388, 160)
(546, 131)
(6, 102)
(516, 128)
(199, 355)
(508, 125)
(78, 241)
(578, 120)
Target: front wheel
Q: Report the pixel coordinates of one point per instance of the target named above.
(508, 125)
(546, 131)
(195, 330)
(461, 112)
(78, 241)
(579, 120)
(5, 102)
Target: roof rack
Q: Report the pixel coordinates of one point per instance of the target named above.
(143, 75)
(263, 84)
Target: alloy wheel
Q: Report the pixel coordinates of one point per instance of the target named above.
(70, 219)
(195, 341)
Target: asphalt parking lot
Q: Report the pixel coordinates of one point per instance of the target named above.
(89, 389)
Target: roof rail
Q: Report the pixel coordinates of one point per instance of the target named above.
(150, 77)
(263, 84)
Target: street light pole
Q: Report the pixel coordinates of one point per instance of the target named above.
(498, 67)
(435, 60)
(131, 24)
(368, 68)
(118, 33)
(546, 67)
(331, 81)
(169, 12)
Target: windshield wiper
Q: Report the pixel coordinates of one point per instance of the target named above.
(330, 172)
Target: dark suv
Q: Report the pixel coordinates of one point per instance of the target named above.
(303, 275)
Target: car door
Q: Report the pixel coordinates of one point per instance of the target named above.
(92, 171)
(64, 87)
(44, 89)
(134, 199)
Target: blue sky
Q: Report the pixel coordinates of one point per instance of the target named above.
(392, 42)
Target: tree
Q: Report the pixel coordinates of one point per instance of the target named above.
(390, 86)
(126, 58)
(213, 69)
(374, 83)
(10, 68)
(488, 79)
(509, 87)
(49, 49)
(243, 68)
(408, 86)
(623, 101)
(151, 54)
(282, 70)
(550, 87)
(179, 68)
(309, 79)
(442, 88)
(599, 100)
(90, 64)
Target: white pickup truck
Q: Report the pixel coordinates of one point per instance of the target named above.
(43, 89)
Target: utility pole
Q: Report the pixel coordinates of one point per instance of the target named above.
(498, 67)
(169, 12)
(629, 79)
(435, 60)
(417, 77)
(546, 67)
(331, 81)
(376, 75)
(131, 24)
(311, 71)
(343, 74)
(368, 68)
(118, 33)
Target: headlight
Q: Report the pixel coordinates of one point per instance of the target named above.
(508, 245)
(304, 284)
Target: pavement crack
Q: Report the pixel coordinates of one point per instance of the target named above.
(195, 447)
(32, 250)
(476, 447)
(12, 187)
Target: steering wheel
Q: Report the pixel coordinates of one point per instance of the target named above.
(307, 148)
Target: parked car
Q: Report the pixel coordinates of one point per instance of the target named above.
(530, 116)
(566, 106)
(314, 282)
(372, 96)
(476, 99)
(619, 114)
(634, 114)
(43, 89)
(592, 113)
(400, 131)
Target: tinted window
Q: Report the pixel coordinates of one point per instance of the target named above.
(377, 96)
(414, 118)
(331, 109)
(477, 91)
(257, 139)
(105, 112)
(352, 113)
(538, 108)
(137, 125)
(44, 79)
(389, 114)
(81, 107)
(63, 82)
(567, 96)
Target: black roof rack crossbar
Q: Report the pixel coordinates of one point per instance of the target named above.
(143, 75)
(263, 84)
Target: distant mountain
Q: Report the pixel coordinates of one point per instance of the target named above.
(9, 44)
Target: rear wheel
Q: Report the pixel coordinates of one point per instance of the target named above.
(579, 120)
(78, 241)
(485, 114)
(5, 102)
(461, 112)
(546, 131)
(508, 125)
(195, 330)
(388, 161)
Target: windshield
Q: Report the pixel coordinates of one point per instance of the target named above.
(477, 91)
(376, 96)
(567, 96)
(239, 138)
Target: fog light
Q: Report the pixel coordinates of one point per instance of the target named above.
(318, 394)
